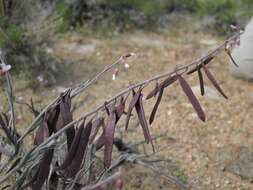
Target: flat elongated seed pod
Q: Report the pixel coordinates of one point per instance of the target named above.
(205, 62)
(67, 118)
(96, 125)
(109, 134)
(44, 169)
(131, 106)
(106, 108)
(44, 166)
(201, 82)
(52, 117)
(42, 133)
(232, 59)
(164, 84)
(159, 98)
(73, 149)
(214, 82)
(120, 109)
(192, 98)
(143, 122)
(75, 165)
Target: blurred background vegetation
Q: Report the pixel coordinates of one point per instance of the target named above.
(27, 25)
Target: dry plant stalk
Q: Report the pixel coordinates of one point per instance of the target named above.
(82, 141)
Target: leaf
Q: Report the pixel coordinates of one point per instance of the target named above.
(159, 98)
(201, 82)
(192, 98)
(205, 62)
(73, 148)
(214, 82)
(75, 165)
(132, 105)
(109, 134)
(143, 122)
(164, 84)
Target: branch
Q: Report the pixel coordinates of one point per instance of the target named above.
(181, 70)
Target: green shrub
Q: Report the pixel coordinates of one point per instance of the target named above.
(10, 34)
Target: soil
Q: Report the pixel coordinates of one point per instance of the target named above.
(200, 151)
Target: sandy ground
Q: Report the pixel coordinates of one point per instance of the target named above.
(201, 151)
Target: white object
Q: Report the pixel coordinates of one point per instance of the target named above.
(243, 55)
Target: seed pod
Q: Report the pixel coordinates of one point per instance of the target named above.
(109, 134)
(201, 82)
(67, 118)
(132, 105)
(192, 98)
(43, 170)
(96, 126)
(164, 84)
(73, 149)
(42, 133)
(205, 62)
(106, 108)
(232, 59)
(75, 165)
(143, 122)
(120, 109)
(159, 98)
(52, 117)
(44, 166)
(213, 81)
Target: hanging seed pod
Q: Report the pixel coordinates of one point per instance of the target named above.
(67, 118)
(100, 142)
(73, 149)
(109, 134)
(120, 108)
(42, 133)
(205, 62)
(44, 166)
(96, 125)
(159, 98)
(213, 81)
(75, 165)
(231, 57)
(201, 82)
(106, 108)
(192, 98)
(132, 105)
(44, 169)
(143, 122)
(164, 84)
